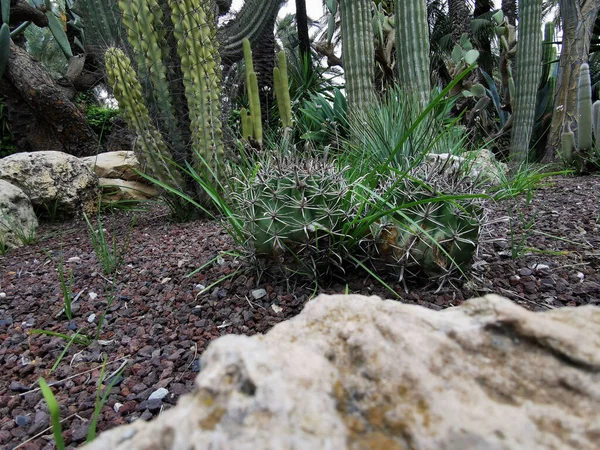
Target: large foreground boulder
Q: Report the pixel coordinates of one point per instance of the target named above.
(57, 183)
(18, 222)
(353, 372)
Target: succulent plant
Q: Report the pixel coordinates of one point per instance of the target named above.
(429, 235)
(294, 208)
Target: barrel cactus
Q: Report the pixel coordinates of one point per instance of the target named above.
(294, 209)
(429, 234)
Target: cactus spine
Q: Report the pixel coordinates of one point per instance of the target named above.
(412, 45)
(529, 49)
(358, 52)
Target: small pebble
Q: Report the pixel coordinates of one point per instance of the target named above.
(92, 295)
(196, 365)
(6, 322)
(74, 259)
(540, 267)
(200, 287)
(159, 394)
(72, 326)
(117, 406)
(18, 387)
(258, 293)
(276, 308)
(22, 421)
(525, 272)
(2, 294)
(91, 318)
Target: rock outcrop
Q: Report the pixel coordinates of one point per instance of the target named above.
(118, 178)
(17, 218)
(56, 183)
(353, 372)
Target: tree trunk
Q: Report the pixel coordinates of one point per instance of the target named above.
(263, 55)
(57, 123)
(460, 19)
(577, 26)
(509, 8)
(486, 59)
(302, 23)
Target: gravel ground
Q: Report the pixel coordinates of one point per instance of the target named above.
(157, 321)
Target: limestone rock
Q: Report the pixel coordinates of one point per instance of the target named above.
(115, 189)
(120, 164)
(353, 372)
(477, 164)
(53, 181)
(17, 218)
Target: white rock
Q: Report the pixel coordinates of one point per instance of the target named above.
(276, 308)
(540, 267)
(74, 259)
(353, 372)
(117, 406)
(17, 217)
(119, 164)
(53, 181)
(91, 318)
(2, 294)
(258, 293)
(158, 394)
(93, 296)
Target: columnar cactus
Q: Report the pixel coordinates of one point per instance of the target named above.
(282, 92)
(358, 52)
(194, 131)
(529, 70)
(412, 45)
(253, 95)
(584, 110)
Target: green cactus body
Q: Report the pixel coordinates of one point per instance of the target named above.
(141, 18)
(283, 92)
(151, 149)
(4, 47)
(194, 29)
(435, 238)
(548, 51)
(412, 45)
(529, 71)
(253, 94)
(293, 209)
(584, 112)
(358, 52)
(568, 146)
(596, 123)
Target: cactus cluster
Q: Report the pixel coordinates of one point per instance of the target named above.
(188, 119)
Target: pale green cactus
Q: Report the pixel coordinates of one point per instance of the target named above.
(412, 45)
(528, 73)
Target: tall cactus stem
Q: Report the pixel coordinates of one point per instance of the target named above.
(253, 94)
(246, 124)
(412, 45)
(568, 145)
(255, 107)
(151, 149)
(140, 17)
(194, 27)
(529, 49)
(584, 111)
(596, 123)
(282, 93)
(547, 52)
(358, 52)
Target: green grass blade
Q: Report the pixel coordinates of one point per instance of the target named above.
(54, 413)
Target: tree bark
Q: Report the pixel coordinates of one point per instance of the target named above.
(263, 55)
(57, 123)
(577, 26)
(509, 7)
(21, 11)
(302, 24)
(486, 60)
(460, 19)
